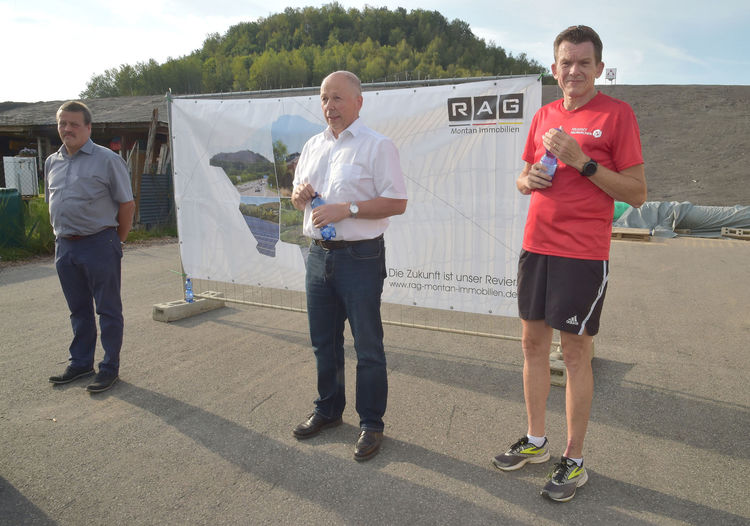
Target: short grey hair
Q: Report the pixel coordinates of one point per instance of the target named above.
(351, 77)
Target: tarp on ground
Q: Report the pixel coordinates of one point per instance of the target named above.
(664, 217)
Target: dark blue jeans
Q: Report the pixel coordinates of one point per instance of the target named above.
(343, 284)
(89, 272)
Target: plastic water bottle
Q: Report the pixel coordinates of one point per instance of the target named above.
(328, 232)
(189, 298)
(549, 162)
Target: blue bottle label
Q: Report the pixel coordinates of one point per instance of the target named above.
(328, 232)
(550, 163)
(189, 297)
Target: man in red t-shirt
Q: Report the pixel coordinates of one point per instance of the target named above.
(564, 265)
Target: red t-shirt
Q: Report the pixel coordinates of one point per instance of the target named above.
(573, 217)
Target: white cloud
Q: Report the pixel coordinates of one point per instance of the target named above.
(672, 52)
(52, 48)
(517, 43)
(63, 48)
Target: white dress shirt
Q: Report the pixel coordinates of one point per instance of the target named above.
(358, 166)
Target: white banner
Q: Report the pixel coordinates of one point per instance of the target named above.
(457, 245)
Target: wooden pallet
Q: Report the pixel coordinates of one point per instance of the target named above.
(735, 233)
(631, 234)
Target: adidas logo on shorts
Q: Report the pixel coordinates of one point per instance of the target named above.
(573, 320)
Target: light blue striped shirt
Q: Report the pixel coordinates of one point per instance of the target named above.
(85, 190)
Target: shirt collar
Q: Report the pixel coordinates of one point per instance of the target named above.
(87, 148)
(353, 129)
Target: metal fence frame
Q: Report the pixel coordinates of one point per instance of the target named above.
(290, 92)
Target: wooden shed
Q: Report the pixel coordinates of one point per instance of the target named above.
(135, 127)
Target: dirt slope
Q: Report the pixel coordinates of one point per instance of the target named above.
(696, 140)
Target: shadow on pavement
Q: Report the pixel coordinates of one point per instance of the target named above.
(17, 510)
(353, 490)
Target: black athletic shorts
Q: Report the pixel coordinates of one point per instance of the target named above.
(566, 293)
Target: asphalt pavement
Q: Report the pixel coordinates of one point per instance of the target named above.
(198, 430)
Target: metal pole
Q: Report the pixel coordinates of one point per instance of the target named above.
(555, 345)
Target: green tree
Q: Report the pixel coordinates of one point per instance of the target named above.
(216, 74)
(284, 177)
(103, 85)
(300, 46)
(240, 67)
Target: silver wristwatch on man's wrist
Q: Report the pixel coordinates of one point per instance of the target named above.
(353, 209)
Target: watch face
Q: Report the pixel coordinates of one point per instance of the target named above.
(353, 208)
(589, 168)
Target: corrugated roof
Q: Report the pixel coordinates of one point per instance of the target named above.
(106, 110)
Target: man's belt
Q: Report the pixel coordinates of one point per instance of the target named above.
(76, 237)
(334, 245)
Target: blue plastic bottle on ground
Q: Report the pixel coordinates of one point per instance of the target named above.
(189, 298)
(328, 232)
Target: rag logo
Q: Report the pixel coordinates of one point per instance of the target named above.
(485, 108)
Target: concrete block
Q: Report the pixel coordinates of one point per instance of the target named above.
(736, 233)
(558, 374)
(632, 234)
(177, 310)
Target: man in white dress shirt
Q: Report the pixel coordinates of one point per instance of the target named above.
(357, 172)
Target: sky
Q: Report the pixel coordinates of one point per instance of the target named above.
(51, 48)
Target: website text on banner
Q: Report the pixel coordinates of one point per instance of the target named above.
(457, 245)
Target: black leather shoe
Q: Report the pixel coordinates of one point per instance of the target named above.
(368, 445)
(314, 424)
(71, 374)
(102, 382)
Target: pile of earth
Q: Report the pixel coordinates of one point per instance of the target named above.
(695, 140)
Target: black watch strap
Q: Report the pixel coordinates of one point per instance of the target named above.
(589, 168)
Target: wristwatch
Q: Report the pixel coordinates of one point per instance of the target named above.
(589, 168)
(353, 209)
